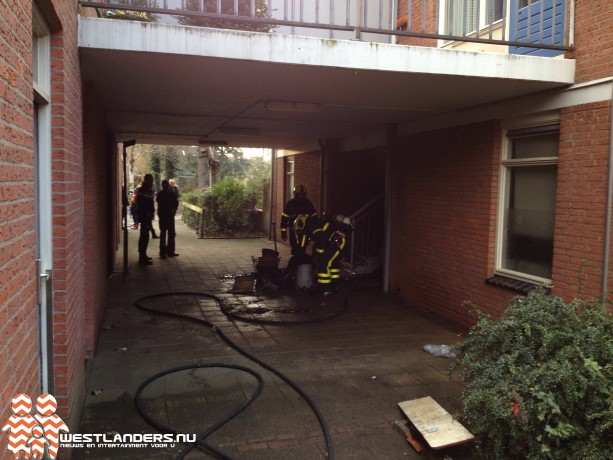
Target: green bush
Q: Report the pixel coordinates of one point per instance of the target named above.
(539, 380)
(226, 205)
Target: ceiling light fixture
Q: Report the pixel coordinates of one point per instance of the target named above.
(229, 131)
(211, 142)
(296, 107)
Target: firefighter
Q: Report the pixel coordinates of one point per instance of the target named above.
(293, 220)
(330, 236)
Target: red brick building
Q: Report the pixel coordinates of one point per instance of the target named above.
(454, 186)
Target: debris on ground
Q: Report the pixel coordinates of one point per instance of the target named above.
(437, 426)
(440, 350)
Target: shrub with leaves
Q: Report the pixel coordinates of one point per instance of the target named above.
(227, 206)
(232, 204)
(539, 380)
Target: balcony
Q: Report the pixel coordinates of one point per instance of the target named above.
(535, 27)
(231, 73)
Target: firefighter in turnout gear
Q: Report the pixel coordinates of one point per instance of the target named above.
(293, 220)
(330, 236)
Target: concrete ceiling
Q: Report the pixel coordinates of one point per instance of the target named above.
(172, 98)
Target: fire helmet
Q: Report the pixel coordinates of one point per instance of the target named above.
(300, 189)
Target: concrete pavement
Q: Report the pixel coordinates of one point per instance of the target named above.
(355, 367)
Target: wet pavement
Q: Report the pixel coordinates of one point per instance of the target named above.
(354, 356)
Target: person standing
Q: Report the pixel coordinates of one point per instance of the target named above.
(146, 210)
(295, 214)
(175, 190)
(167, 207)
(174, 187)
(330, 236)
(134, 209)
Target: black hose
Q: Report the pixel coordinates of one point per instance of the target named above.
(219, 332)
(200, 441)
(201, 436)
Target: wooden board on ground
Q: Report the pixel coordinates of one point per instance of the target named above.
(435, 424)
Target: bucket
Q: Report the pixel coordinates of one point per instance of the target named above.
(304, 276)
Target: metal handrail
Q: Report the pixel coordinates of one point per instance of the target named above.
(377, 18)
(366, 239)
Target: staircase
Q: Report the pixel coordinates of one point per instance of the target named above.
(364, 252)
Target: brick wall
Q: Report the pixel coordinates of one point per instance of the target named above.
(444, 217)
(581, 200)
(307, 173)
(354, 178)
(593, 35)
(445, 187)
(416, 21)
(18, 310)
(99, 240)
(68, 212)
(307, 167)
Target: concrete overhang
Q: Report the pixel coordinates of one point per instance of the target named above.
(172, 84)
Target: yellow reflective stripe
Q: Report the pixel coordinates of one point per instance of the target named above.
(322, 281)
(334, 256)
(320, 251)
(284, 215)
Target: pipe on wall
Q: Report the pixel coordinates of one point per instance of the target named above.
(391, 136)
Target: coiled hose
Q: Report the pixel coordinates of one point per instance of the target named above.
(201, 437)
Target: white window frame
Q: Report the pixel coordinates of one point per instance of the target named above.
(290, 166)
(482, 22)
(506, 165)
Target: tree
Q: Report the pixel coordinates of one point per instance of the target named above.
(202, 167)
(227, 8)
(155, 165)
(232, 162)
(170, 162)
(134, 15)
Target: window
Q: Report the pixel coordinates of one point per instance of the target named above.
(466, 16)
(526, 227)
(289, 177)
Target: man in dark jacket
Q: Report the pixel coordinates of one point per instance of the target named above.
(167, 207)
(295, 214)
(146, 208)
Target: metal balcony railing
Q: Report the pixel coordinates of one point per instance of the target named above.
(365, 243)
(525, 26)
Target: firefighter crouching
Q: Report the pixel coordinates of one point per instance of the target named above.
(330, 236)
(294, 216)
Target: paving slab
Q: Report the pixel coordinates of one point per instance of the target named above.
(355, 355)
